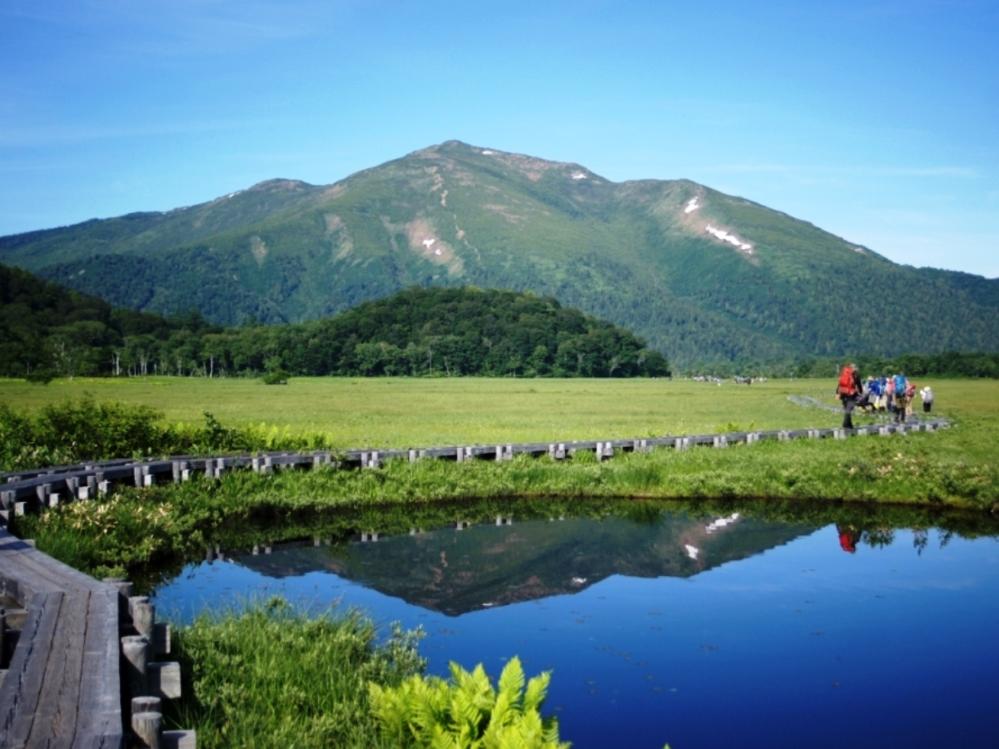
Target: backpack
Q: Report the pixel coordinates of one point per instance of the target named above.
(846, 386)
(900, 385)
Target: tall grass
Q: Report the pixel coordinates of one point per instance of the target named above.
(271, 676)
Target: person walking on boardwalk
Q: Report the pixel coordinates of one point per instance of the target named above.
(901, 385)
(926, 394)
(848, 390)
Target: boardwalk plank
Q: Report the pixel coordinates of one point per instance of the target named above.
(22, 687)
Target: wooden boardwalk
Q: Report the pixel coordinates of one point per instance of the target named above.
(63, 685)
(23, 491)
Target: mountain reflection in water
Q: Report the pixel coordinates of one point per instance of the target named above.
(701, 624)
(457, 571)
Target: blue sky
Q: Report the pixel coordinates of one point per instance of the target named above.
(878, 121)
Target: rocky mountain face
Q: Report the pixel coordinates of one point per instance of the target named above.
(703, 276)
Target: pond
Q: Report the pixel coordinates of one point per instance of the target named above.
(812, 627)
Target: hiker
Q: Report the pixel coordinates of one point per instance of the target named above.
(868, 397)
(848, 390)
(890, 394)
(910, 396)
(926, 394)
(900, 386)
(875, 397)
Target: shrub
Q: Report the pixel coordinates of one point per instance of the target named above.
(276, 377)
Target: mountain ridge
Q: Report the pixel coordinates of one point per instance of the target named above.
(702, 275)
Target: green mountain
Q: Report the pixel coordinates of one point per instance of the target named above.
(703, 276)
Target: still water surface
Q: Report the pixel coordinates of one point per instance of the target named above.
(700, 631)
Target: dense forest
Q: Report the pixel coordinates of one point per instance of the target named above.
(46, 330)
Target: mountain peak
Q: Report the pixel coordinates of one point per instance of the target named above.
(279, 184)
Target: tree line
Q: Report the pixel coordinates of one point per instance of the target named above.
(47, 330)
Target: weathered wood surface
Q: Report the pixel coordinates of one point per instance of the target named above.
(63, 687)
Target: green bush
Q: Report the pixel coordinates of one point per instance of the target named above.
(82, 430)
(276, 377)
(76, 431)
(466, 712)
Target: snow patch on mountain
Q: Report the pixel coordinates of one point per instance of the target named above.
(578, 175)
(692, 205)
(692, 551)
(487, 152)
(732, 239)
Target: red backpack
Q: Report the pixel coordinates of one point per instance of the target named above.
(846, 386)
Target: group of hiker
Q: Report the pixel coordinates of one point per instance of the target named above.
(887, 394)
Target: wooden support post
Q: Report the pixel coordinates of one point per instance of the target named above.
(53, 499)
(146, 704)
(143, 613)
(164, 679)
(720, 440)
(179, 740)
(137, 475)
(839, 434)
(556, 451)
(42, 491)
(7, 499)
(135, 649)
(146, 727)
(209, 468)
(162, 642)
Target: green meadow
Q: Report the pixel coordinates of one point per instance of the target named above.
(402, 412)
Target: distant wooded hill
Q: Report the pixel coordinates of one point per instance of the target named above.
(47, 330)
(706, 278)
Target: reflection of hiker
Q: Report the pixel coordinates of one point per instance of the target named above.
(849, 537)
(848, 390)
(927, 395)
